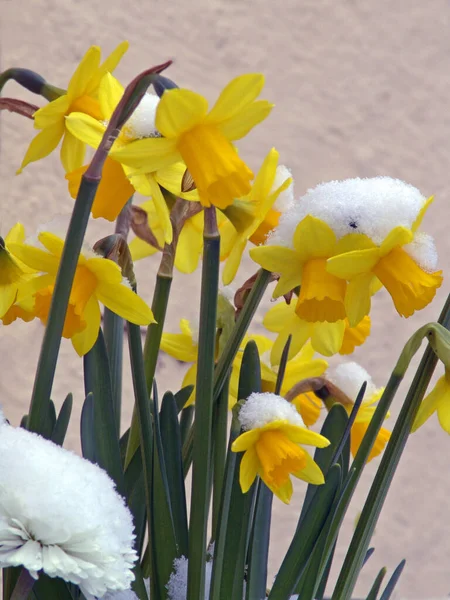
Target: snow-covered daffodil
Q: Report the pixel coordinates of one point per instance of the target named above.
(119, 181)
(253, 216)
(96, 280)
(81, 96)
(272, 445)
(438, 400)
(396, 263)
(322, 295)
(326, 338)
(202, 139)
(349, 377)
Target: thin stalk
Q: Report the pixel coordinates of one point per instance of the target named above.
(23, 586)
(385, 473)
(240, 329)
(201, 467)
(77, 227)
(219, 452)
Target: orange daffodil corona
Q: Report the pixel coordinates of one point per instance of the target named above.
(96, 280)
(272, 444)
(81, 96)
(202, 139)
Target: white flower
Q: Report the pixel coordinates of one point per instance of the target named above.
(62, 514)
(261, 409)
(370, 206)
(177, 585)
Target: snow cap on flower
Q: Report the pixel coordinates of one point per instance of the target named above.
(261, 409)
(285, 199)
(349, 377)
(61, 514)
(423, 250)
(373, 206)
(177, 585)
(141, 124)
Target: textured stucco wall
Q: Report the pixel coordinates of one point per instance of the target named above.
(361, 88)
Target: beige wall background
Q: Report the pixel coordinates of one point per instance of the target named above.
(361, 88)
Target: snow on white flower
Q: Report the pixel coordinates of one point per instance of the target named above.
(372, 206)
(262, 409)
(177, 585)
(61, 514)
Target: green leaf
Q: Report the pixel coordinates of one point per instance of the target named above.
(171, 443)
(235, 515)
(98, 381)
(372, 595)
(52, 588)
(135, 497)
(62, 422)
(220, 426)
(113, 331)
(186, 418)
(388, 590)
(182, 396)
(282, 367)
(164, 546)
(258, 551)
(88, 442)
(306, 536)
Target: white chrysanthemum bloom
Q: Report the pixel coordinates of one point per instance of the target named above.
(349, 377)
(61, 514)
(177, 585)
(372, 206)
(285, 199)
(261, 409)
(141, 124)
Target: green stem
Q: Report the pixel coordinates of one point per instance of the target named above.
(219, 452)
(240, 329)
(23, 586)
(201, 467)
(385, 473)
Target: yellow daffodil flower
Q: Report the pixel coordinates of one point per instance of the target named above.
(326, 338)
(349, 377)
(13, 272)
(190, 241)
(252, 216)
(411, 287)
(118, 180)
(322, 295)
(96, 280)
(81, 96)
(202, 140)
(438, 400)
(271, 443)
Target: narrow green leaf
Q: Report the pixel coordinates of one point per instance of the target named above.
(87, 435)
(258, 552)
(349, 424)
(186, 418)
(171, 443)
(113, 326)
(9, 580)
(182, 396)
(305, 537)
(388, 590)
(123, 443)
(282, 367)
(220, 426)
(235, 515)
(52, 588)
(135, 497)
(326, 574)
(98, 381)
(369, 553)
(62, 422)
(372, 595)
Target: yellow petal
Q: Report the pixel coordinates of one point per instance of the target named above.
(179, 345)
(85, 128)
(234, 260)
(283, 492)
(300, 331)
(417, 223)
(105, 270)
(161, 208)
(279, 259)
(301, 435)
(327, 337)
(311, 473)
(355, 336)
(190, 379)
(140, 249)
(170, 178)
(399, 236)
(246, 440)
(321, 295)
(147, 155)
(242, 123)
(313, 239)
(178, 111)
(125, 303)
(309, 406)
(51, 114)
(8, 294)
(190, 245)
(16, 234)
(108, 65)
(52, 243)
(84, 340)
(357, 298)
(248, 469)
(239, 93)
(37, 259)
(352, 264)
(72, 152)
(298, 368)
(275, 317)
(109, 94)
(439, 394)
(85, 70)
(43, 144)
